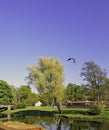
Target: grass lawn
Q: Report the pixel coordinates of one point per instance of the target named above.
(72, 113)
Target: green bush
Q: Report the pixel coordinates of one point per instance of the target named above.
(19, 106)
(96, 109)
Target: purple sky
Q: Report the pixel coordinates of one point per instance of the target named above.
(52, 28)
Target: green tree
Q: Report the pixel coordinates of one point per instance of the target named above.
(16, 97)
(23, 96)
(6, 96)
(95, 78)
(46, 99)
(24, 91)
(48, 78)
(74, 92)
(105, 91)
(32, 99)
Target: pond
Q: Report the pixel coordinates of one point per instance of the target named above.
(53, 123)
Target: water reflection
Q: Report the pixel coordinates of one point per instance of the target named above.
(4, 117)
(56, 123)
(51, 123)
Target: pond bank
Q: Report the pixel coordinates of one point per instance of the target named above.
(70, 113)
(18, 126)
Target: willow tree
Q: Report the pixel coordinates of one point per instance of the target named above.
(48, 77)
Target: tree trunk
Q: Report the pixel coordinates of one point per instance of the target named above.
(59, 107)
(58, 123)
(55, 103)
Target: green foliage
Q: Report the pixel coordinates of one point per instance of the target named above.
(24, 92)
(105, 91)
(95, 78)
(96, 109)
(24, 95)
(48, 78)
(46, 99)
(32, 99)
(19, 106)
(74, 92)
(6, 96)
(93, 74)
(16, 96)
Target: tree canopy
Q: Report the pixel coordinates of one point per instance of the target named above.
(75, 92)
(95, 78)
(24, 92)
(48, 77)
(6, 96)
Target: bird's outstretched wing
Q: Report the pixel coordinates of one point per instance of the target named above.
(69, 59)
(73, 59)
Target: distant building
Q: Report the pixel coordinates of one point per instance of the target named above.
(79, 103)
(38, 104)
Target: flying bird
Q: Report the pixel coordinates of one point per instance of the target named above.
(73, 59)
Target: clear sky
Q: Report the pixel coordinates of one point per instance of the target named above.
(52, 28)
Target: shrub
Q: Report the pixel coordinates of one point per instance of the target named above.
(96, 109)
(19, 106)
